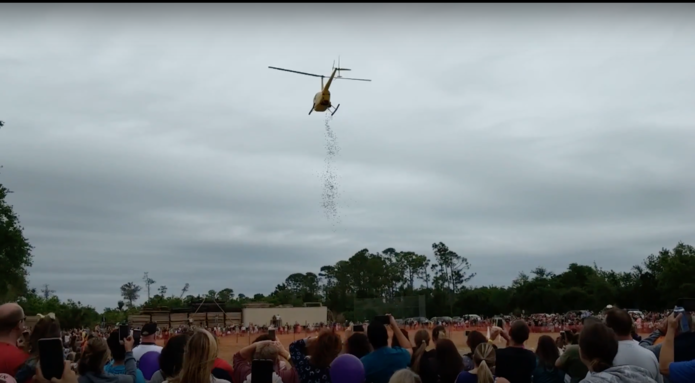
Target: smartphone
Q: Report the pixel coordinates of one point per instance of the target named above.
(136, 337)
(684, 319)
(688, 304)
(262, 371)
(383, 319)
(51, 358)
(467, 332)
(271, 333)
(123, 332)
(500, 323)
(358, 328)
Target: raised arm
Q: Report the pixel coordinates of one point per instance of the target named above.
(402, 340)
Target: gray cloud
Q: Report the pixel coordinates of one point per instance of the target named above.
(151, 138)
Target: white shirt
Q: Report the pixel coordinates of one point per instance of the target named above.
(140, 350)
(630, 353)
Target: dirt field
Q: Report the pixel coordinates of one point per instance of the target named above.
(230, 344)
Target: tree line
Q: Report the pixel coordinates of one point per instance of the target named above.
(443, 278)
(445, 281)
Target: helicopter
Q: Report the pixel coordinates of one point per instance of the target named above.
(322, 99)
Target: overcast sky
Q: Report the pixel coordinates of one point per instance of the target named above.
(155, 138)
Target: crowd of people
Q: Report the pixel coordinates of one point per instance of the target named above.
(603, 350)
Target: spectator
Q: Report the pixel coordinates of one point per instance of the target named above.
(47, 327)
(598, 346)
(629, 350)
(394, 339)
(547, 355)
(677, 372)
(91, 364)
(148, 336)
(12, 321)
(404, 376)
(449, 362)
(171, 358)
(312, 357)
(201, 352)
(570, 361)
(684, 342)
(221, 369)
(358, 345)
(473, 340)
(384, 361)
(420, 354)
(484, 360)
(515, 363)
(117, 365)
(264, 349)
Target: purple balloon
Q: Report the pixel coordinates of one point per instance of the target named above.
(347, 368)
(149, 364)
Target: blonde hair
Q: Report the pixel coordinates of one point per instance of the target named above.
(199, 357)
(405, 376)
(422, 339)
(484, 358)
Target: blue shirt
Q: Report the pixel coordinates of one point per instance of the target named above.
(681, 372)
(380, 364)
(120, 370)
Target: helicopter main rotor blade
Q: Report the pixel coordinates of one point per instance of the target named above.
(353, 79)
(295, 71)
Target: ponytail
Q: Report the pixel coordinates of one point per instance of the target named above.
(484, 373)
(422, 339)
(417, 355)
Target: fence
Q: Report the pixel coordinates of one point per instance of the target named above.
(400, 307)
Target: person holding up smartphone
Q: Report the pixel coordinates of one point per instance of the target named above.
(91, 365)
(384, 361)
(677, 372)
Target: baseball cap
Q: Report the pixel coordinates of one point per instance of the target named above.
(149, 329)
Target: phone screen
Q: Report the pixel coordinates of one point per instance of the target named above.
(123, 332)
(136, 338)
(262, 371)
(271, 333)
(358, 328)
(51, 358)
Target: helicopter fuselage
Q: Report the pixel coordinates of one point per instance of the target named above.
(322, 101)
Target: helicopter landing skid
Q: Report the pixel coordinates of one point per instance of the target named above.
(335, 110)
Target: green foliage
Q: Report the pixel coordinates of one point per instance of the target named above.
(130, 292)
(444, 280)
(15, 252)
(70, 314)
